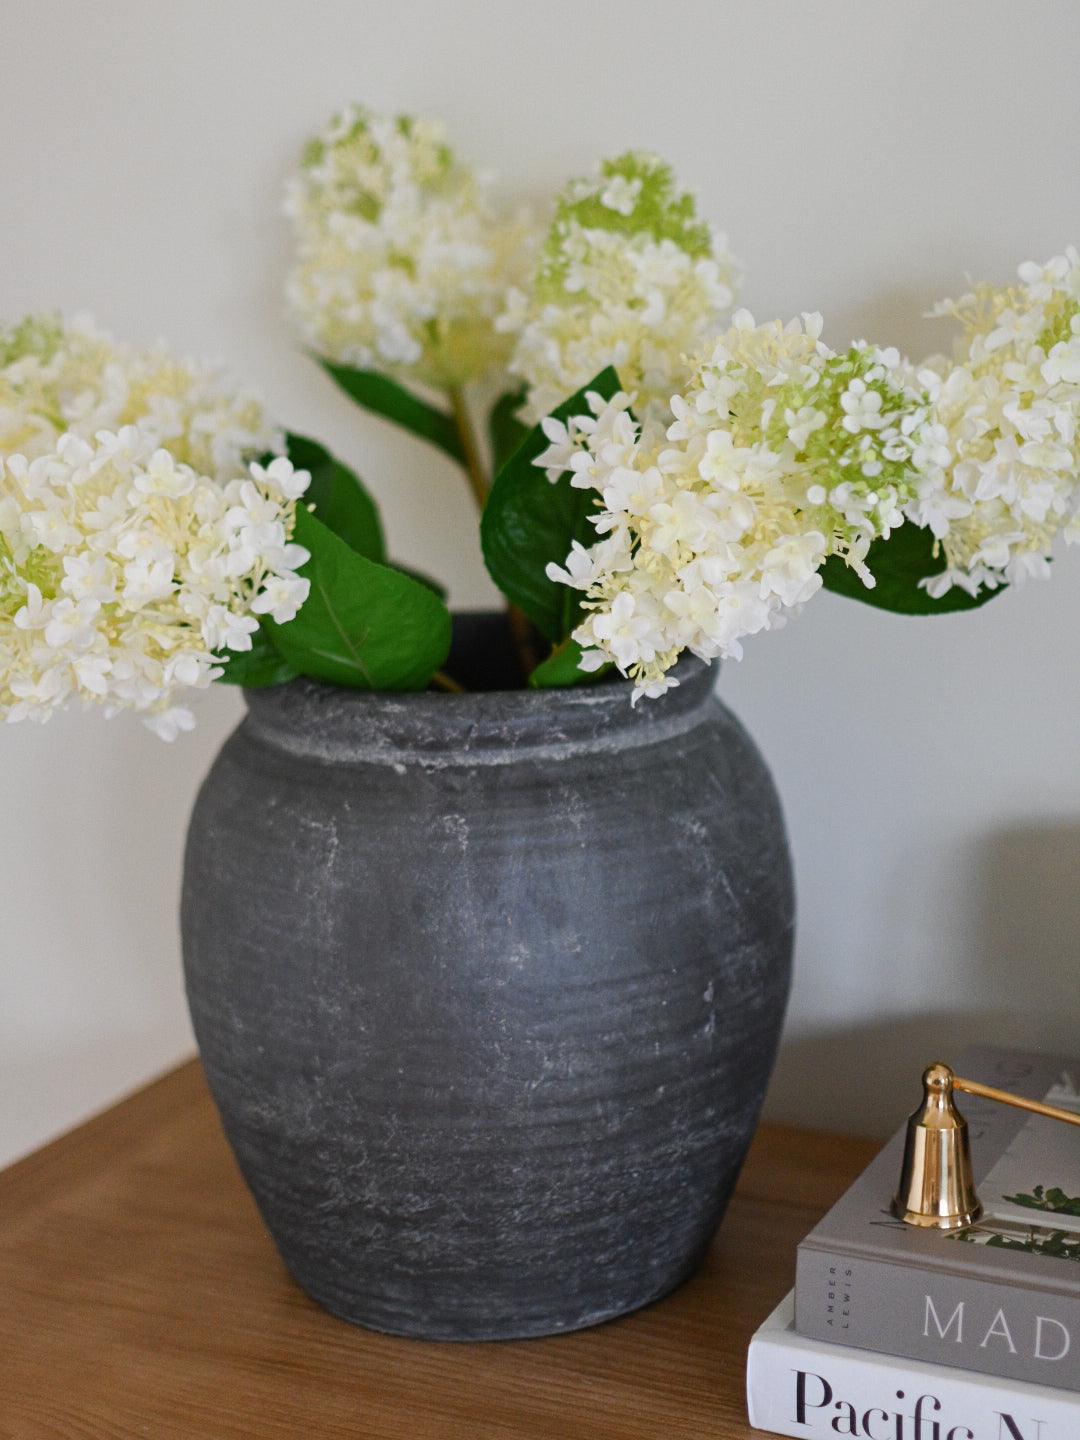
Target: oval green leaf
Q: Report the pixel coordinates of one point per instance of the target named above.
(385, 397)
(898, 564)
(563, 667)
(256, 669)
(505, 430)
(363, 624)
(339, 497)
(529, 522)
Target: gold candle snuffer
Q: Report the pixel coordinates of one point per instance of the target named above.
(937, 1188)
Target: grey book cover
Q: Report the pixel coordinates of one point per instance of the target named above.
(1002, 1298)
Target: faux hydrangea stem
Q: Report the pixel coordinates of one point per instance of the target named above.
(474, 463)
(441, 681)
(521, 630)
(478, 483)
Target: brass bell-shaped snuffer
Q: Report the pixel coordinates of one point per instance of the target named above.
(937, 1186)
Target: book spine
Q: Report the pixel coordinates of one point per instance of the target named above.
(942, 1319)
(794, 1388)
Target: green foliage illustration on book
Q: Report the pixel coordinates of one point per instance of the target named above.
(1054, 1200)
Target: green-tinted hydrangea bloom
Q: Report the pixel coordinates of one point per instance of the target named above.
(402, 264)
(630, 276)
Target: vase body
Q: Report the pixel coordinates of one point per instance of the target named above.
(488, 989)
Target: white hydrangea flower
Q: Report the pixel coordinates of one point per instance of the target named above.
(124, 573)
(628, 276)
(70, 377)
(1000, 479)
(781, 453)
(402, 263)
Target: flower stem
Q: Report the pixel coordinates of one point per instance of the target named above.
(479, 484)
(474, 464)
(441, 681)
(521, 631)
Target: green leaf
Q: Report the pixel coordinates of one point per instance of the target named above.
(340, 499)
(435, 586)
(505, 430)
(562, 667)
(392, 401)
(898, 564)
(256, 668)
(528, 522)
(363, 624)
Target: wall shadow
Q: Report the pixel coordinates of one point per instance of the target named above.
(1021, 966)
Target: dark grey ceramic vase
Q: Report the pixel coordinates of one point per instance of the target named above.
(488, 989)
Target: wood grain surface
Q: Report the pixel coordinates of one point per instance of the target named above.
(141, 1297)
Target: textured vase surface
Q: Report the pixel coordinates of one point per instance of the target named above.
(488, 989)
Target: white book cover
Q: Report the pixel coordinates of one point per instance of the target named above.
(796, 1386)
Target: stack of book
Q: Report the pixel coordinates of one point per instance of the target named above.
(895, 1333)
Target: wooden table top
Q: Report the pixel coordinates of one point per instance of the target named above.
(140, 1296)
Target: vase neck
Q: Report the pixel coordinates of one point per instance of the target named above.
(330, 723)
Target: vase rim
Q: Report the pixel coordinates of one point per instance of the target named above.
(335, 723)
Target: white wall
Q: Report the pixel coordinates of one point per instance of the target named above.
(863, 156)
